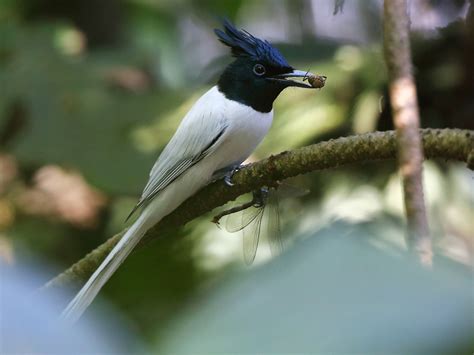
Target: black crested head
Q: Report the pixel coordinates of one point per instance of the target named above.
(243, 44)
(258, 74)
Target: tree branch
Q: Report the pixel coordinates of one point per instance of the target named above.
(406, 119)
(448, 144)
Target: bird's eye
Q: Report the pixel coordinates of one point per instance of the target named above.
(259, 69)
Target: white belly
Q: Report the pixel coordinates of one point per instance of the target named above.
(246, 130)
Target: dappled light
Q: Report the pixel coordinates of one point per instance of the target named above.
(63, 194)
(91, 93)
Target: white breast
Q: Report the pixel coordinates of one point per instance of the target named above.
(246, 129)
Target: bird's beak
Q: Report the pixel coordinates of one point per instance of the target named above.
(283, 78)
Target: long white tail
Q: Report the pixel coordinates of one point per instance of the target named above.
(89, 291)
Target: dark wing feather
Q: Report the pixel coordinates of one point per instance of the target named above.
(158, 182)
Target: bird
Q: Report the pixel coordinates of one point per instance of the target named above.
(220, 131)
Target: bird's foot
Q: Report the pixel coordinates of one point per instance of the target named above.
(228, 176)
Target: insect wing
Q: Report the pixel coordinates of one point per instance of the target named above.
(251, 233)
(237, 221)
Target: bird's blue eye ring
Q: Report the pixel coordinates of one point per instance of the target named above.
(259, 69)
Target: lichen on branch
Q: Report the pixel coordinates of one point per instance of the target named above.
(446, 144)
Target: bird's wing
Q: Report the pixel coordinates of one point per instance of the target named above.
(196, 138)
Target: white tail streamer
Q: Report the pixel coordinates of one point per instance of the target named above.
(114, 259)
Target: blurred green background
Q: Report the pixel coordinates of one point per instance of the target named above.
(91, 91)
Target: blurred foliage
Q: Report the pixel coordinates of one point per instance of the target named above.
(94, 90)
(298, 305)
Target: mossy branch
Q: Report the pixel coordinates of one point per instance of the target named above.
(447, 144)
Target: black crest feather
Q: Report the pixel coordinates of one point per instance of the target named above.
(243, 44)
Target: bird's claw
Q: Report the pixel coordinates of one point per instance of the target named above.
(228, 180)
(228, 176)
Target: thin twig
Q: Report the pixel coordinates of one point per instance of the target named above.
(448, 144)
(406, 119)
(232, 210)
